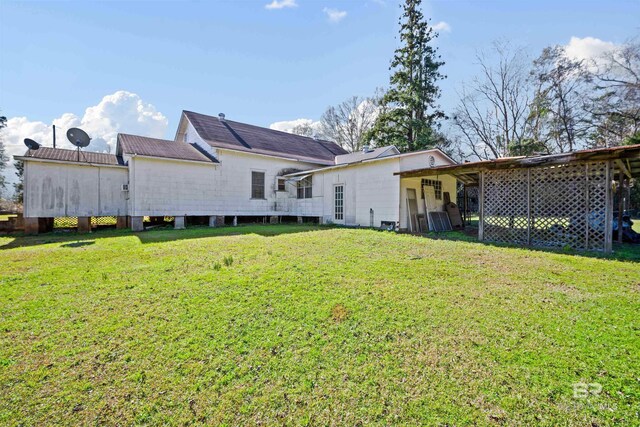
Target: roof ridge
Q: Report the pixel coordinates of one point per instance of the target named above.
(263, 127)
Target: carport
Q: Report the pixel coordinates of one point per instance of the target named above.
(559, 200)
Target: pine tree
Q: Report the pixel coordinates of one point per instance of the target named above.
(410, 114)
(3, 156)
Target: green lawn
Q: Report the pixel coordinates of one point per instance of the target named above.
(299, 325)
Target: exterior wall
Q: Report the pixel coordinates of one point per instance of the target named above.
(233, 186)
(65, 189)
(164, 187)
(421, 160)
(366, 186)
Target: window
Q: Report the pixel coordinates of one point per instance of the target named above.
(338, 203)
(304, 188)
(257, 185)
(281, 184)
(437, 186)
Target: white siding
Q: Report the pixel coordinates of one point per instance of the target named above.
(233, 180)
(64, 189)
(164, 187)
(366, 186)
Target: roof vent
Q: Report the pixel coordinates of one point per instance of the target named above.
(221, 117)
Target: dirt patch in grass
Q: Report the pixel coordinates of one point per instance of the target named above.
(339, 313)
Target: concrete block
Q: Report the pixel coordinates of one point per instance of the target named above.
(212, 221)
(179, 223)
(137, 223)
(84, 224)
(121, 222)
(235, 221)
(299, 220)
(273, 219)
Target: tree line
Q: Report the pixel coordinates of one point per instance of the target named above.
(515, 106)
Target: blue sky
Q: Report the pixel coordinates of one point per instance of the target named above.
(257, 65)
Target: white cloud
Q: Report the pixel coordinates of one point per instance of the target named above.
(441, 27)
(588, 48)
(288, 125)
(281, 4)
(121, 111)
(335, 15)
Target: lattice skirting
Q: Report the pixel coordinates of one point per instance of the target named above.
(72, 221)
(553, 206)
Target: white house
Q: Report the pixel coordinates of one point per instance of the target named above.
(220, 168)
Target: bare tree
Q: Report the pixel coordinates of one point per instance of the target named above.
(304, 129)
(349, 122)
(493, 111)
(556, 115)
(614, 110)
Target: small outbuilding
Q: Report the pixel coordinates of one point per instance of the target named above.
(560, 200)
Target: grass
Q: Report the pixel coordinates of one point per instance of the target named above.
(299, 325)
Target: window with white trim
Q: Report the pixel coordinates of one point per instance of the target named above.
(305, 187)
(257, 185)
(281, 184)
(437, 187)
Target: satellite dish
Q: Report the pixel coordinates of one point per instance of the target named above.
(31, 144)
(78, 137)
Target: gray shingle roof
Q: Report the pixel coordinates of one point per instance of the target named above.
(153, 147)
(255, 139)
(64, 155)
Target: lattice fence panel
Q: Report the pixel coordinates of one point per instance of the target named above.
(506, 206)
(563, 205)
(65, 222)
(97, 221)
(559, 206)
(597, 181)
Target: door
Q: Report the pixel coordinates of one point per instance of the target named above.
(338, 204)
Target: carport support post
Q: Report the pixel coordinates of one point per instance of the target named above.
(179, 223)
(137, 223)
(84, 224)
(608, 217)
(620, 205)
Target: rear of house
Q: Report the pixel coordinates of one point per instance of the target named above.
(222, 169)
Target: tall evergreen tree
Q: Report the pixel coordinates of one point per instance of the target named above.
(3, 156)
(410, 114)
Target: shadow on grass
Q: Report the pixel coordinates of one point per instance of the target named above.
(72, 239)
(621, 252)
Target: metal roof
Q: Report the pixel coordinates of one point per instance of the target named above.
(626, 160)
(153, 147)
(254, 139)
(64, 155)
(373, 153)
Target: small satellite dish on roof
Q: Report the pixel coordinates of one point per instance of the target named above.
(78, 137)
(31, 144)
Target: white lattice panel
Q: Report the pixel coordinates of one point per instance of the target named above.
(553, 206)
(506, 206)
